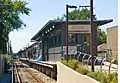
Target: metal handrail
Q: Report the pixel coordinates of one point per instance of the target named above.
(79, 55)
(83, 57)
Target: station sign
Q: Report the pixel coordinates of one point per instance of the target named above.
(79, 29)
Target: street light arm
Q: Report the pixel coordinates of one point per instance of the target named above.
(84, 6)
(71, 6)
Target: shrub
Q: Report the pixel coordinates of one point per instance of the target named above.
(99, 76)
(7, 65)
(6, 59)
(112, 78)
(73, 64)
(82, 70)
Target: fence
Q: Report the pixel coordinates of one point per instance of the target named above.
(1, 65)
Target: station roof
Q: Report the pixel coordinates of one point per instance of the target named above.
(54, 22)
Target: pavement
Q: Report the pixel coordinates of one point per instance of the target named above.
(105, 67)
(6, 77)
(112, 65)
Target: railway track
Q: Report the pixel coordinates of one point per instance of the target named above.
(21, 78)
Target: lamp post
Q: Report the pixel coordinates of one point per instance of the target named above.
(93, 45)
(92, 36)
(67, 6)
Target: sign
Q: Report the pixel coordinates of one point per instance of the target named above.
(62, 52)
(71, 49)
(79, 29)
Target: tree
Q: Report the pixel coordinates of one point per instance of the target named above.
(10, 12)
(101, 36)
(84, 14)
(77, 14)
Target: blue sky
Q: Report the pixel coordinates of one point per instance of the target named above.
(45, 10)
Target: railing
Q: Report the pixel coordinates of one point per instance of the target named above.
(49, 69)
(15, 75)
(83, 57)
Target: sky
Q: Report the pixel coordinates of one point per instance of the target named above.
(44, 10)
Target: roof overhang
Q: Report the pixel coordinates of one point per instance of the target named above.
(54, 22)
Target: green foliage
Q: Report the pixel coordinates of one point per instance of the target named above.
(77, 14)
(59, 18)
(71, 63)
(99, 76)
(112, 78)
(104, 77)
(7, 64)
(10, 12)
(101, 36)
(6, 59)
(82, 70)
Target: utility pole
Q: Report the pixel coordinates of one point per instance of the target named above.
(66, 32)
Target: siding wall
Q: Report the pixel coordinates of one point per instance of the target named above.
(112, 40)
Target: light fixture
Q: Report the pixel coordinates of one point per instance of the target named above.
(53, 26)
(42, 34)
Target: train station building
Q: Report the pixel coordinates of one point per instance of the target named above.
(51, 38)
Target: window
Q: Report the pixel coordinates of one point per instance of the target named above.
(55, 40)
(59, 39)
(72, 38)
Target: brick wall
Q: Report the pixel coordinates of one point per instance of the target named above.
(112, 40)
